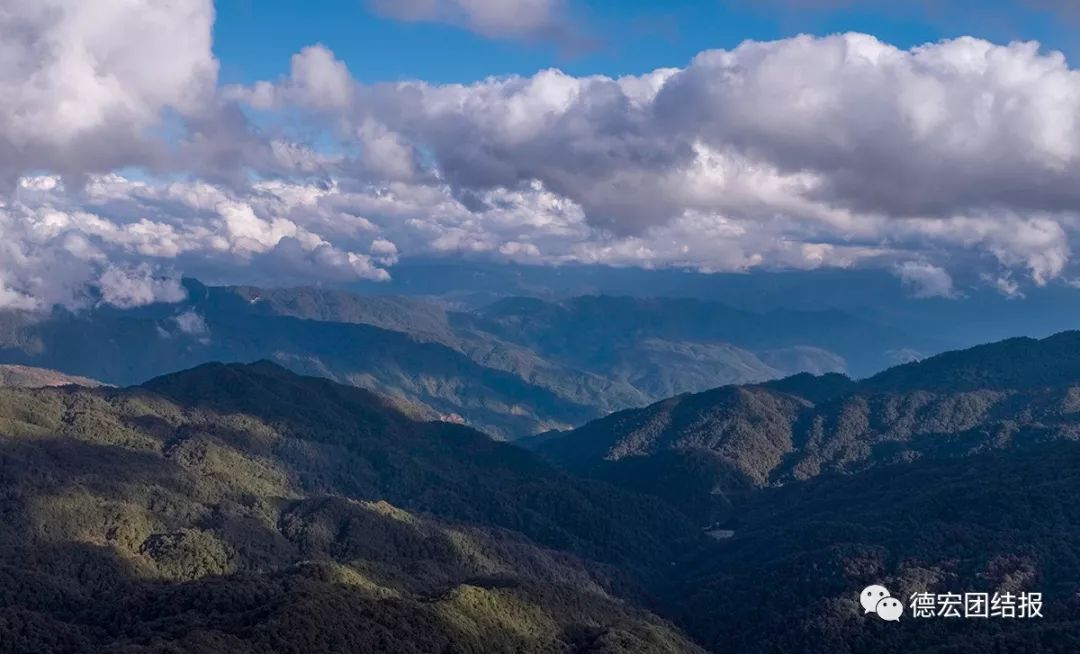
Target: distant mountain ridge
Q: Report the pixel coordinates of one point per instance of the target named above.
(514, 368)
(1013, 393)
(596, 326)
(1013, 363)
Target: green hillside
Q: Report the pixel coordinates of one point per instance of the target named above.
(1012, 394)
(244, 508)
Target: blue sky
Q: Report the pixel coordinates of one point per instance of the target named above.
(254, 40)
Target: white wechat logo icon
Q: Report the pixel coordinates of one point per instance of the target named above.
(890, 609)
(876, 599)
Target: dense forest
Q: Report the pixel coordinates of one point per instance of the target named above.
(244, 508)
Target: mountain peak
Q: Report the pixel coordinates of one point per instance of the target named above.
(1012, 363)
(266, 389)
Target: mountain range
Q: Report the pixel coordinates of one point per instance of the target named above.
(1008, 394)
(246, 508)
(243, 508)
(973, 313)
(954, 474)
(513, 367)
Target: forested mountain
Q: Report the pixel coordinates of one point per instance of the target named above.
(956, 474)
(539, 327)
(788, 577)
(1015, 393)
(246, 509)
(606, 331)
(513, 368)
(243, 508)
(131, 346)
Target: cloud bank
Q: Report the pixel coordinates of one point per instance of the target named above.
(81, 83)
(127, 163)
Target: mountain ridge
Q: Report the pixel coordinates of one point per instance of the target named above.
(514, 368)
(245, 508)
(28, 376)
(1007, 394)
(242, 507)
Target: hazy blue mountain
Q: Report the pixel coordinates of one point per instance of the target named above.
(131, 346)
(516, 367)
(419, 317)
(604, 332)
(976, 314)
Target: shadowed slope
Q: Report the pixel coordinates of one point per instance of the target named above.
(245, 508)
(1015, 393)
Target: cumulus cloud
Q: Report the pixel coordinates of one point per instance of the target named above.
(317, 80)
(384, 252)
(121, 239)
(1005, 285)
(137, 286)
(82, 82)
(801, 153)
(925, 280)
(745, 158)
(847, 122)
(191, 323)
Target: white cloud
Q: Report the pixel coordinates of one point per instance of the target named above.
(841, 148)
(125, 238)
(518, 250)
(191, 323)
(137, 286)
(800, 153)
(384, 252)
(925, 280)
(1005, 285)
(843, 123)
(81, 82)
(317, 80)
(384, 153)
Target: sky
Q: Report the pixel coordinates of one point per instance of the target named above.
(323, 142)
(615, 37)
